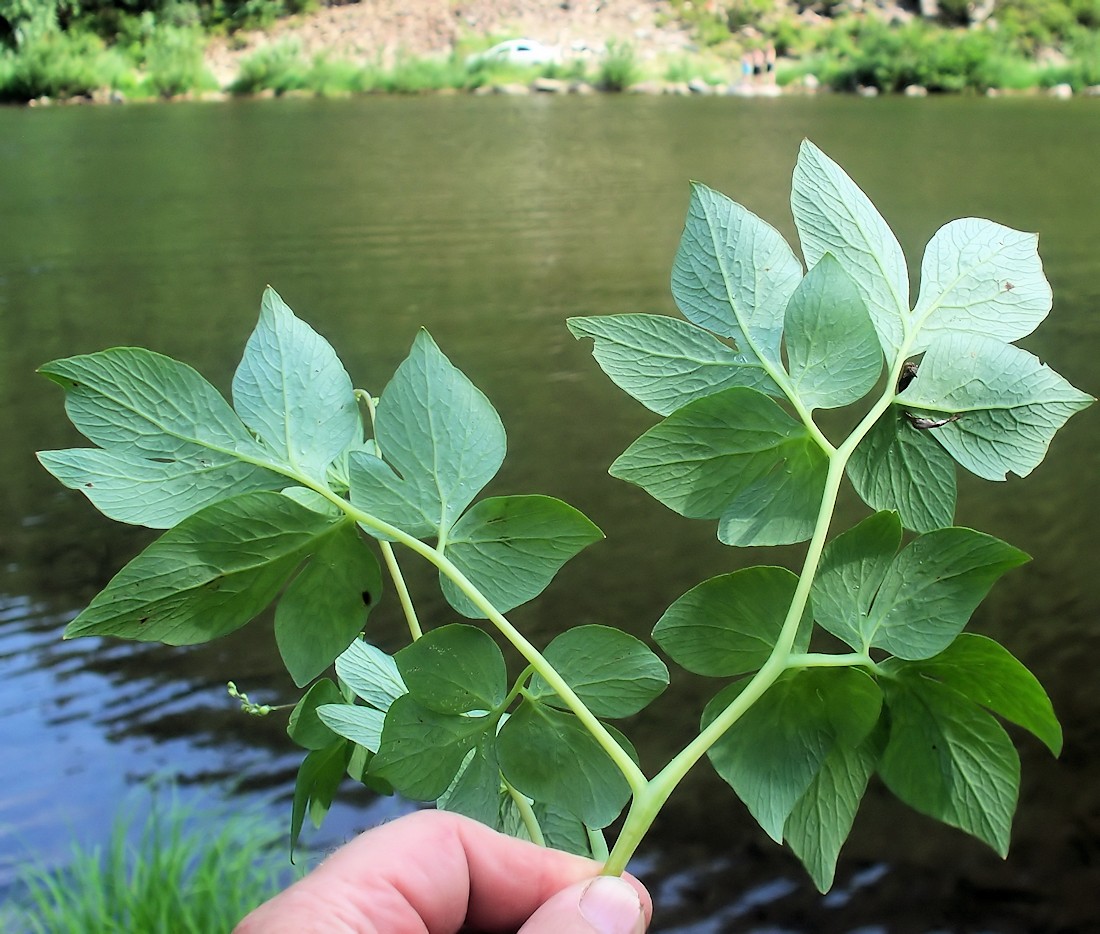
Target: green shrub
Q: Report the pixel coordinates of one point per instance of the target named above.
(334, 77)
(618, 68)
(174, 63)
(190, 871)
(278, 67)
(58, 65)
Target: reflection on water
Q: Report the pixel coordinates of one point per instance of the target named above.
(490, 221)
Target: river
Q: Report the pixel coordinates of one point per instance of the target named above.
(489, 221)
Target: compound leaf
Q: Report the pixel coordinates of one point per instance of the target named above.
(948, 758)
(733, 274)
(932, 587)
(899, 467)
(982, 279)
(823, 817)
(702, 458)
(833, 353)
(614, 674)
(327, 604)
(454, 669)
(1010, 404)
(209, 575)
(305, 726)
(665, 363)
(773, 753)
(511, 547)
(371, 674)
(292, 391)
(421, 750)
(833, 215)
(728, 625)
(547, 755)
(990, 675)
(442, 438)
(158, 494)
(853, 567)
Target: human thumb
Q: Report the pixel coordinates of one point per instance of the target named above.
(604, 905)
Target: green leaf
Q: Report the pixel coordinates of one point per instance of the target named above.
(476, 790)
(773, 753)
(1010, 404)
(362, 725)
(294, 393)
(834, 216)
(702, 458)
(326, 605)
(899, 467)
(158, 494)
(454, 669)
(562, 830)
(547, 755)
(833, 353)
(734, 274)
(665, 363)
(949, 759)
(319, 777)
(983, 279)
(441, 436)
(511, 547)
(728, 625)
(823, 817)
(421, 750)
(932, 587)
(152, 406)
(853, 567)
(371, 674)
(305, 727)
(614, 674)
(988, 674)
(209, 575)
(780, 507)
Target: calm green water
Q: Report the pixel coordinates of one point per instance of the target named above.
(490, 221)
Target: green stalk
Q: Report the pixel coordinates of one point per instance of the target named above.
(526, 813)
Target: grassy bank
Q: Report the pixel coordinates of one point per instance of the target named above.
(61, 49)
(172, 868)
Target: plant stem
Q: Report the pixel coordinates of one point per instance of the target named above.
(526, 813)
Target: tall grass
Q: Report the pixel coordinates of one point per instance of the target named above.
(190, 871)
(618, 68)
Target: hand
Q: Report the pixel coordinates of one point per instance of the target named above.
(433, 872)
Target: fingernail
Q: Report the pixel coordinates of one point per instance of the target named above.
(611, 906)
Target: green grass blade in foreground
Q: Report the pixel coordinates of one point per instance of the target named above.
(665, 363)
(980, 278)
(948, 758)
(158, 494)
(773, 753)
(932, 587)
(209, 575)
(728, 625)
(834, 216)
(1010, 403)
(510, 548)
(614, 674)
(734, 274)
(988, 674)
(899, 467)
(326, 605)
(294, 393)
(441, 436)
(702, 459)
(833, 353)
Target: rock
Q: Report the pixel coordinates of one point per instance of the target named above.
(549, 86)
(646, 87)
(811, 82)
(581, 87)
(512, 90)
(867, 90)
(1062, 92)
(699, 86)
(1093, 91)
(677, 88)
(916, 90)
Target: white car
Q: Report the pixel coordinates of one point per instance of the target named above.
(517, 52)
